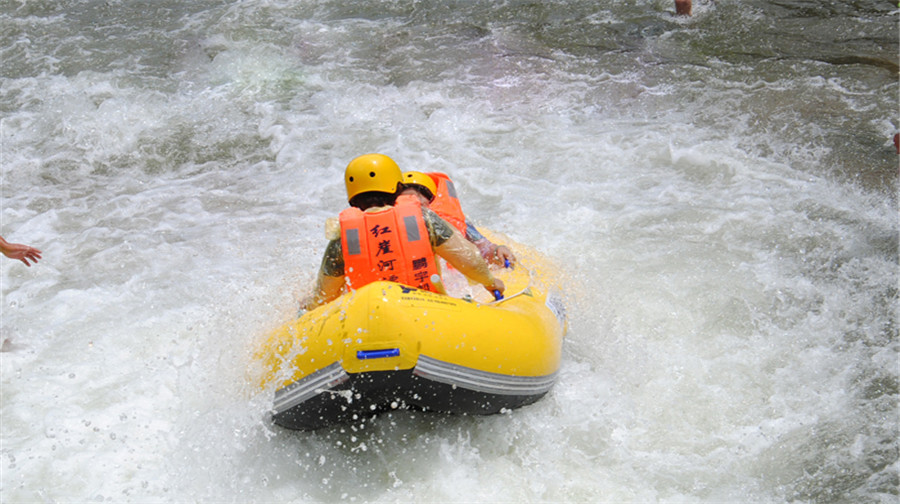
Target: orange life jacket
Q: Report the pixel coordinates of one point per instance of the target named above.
(446, 203)
(390, 245)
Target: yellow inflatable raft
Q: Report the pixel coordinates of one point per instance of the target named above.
(388, 346)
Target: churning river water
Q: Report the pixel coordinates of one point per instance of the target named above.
(719, 192)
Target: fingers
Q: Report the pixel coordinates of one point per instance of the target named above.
(504, 254)
(34, 254)
(24, 253)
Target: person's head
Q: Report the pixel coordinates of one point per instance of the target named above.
(419, 184)
(372, 180)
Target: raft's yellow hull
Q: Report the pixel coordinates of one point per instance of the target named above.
(391, 346)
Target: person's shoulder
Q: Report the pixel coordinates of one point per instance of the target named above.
(430, 215)
(332, 228)
(436, 224)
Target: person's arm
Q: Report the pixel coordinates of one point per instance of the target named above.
(464, 256)
(330, 281)
(18, 251)
(328, 288)
(492, 253)
(451, 245)
(496, 254)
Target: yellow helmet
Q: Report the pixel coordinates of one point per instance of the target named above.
(420, 179)
(372, 173)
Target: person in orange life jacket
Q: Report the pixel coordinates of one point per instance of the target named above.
(385, 236)
(436, 191)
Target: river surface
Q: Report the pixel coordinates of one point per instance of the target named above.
(719, 192)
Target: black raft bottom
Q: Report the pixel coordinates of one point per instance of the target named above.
(365, 394)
